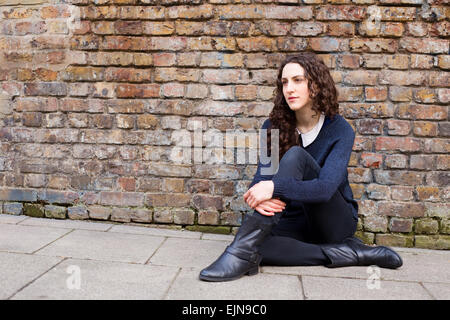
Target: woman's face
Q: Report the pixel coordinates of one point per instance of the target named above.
(295, 87)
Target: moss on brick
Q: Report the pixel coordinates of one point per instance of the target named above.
(394, 240)
(55, 212)
(426, 226)
(441, 242)
(445, 226)
(209, 229)
(366, 237)
(34, 210)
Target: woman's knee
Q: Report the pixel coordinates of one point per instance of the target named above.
(296, 162)
(293, 154)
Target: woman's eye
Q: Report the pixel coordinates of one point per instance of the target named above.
(295, 80)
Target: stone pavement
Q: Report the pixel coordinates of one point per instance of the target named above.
(69, 259)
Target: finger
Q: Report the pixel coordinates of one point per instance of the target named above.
(256, 201)
(270, 202)
(272, 207)
(279, 202)
(265, 207)
(251, 202)
(263, 212)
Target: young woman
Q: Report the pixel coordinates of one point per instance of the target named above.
(304, 214)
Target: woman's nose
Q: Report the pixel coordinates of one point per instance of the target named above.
(289, 87)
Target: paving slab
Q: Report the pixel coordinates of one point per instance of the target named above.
(188, 252)
(423, 267)
(420, 250)
(414, 264)
(118, 261)
(261, 286)
(18, 270)
(440, 291)
(328, 288)
(220, 237)
(100, 280)
(105, 246)
(11, 219)
(67, 224)
(347, 272)
(27, 239)
(161, 232)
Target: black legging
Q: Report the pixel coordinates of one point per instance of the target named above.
(327, 222)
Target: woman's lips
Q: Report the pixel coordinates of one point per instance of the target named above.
(292, 98)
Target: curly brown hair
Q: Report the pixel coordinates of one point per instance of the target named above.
(322, 91)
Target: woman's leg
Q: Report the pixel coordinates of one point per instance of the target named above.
(329, 222)
(331, 227)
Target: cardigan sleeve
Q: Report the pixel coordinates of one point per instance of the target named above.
(332, 174)
(258, 176)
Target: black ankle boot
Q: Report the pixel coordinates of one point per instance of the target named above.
(241, 257)
(353, 252)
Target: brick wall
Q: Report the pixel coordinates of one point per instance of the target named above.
(94, 95)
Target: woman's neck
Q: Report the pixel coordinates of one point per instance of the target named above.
(306, 120)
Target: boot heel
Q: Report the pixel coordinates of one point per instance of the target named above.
(252, 271)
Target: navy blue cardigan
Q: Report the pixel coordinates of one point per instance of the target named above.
(331, 149)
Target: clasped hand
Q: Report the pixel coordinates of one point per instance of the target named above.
(259, 197)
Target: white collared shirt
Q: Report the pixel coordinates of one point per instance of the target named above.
(311, 135)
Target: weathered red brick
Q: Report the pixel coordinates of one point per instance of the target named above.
(45, 89)
(372, 110)
(127, 75)
(400, 177)
(344, 12)
(402, 78)
(159, 28)
(425, 128)
(439, 79)
(397, 144)
(422, 112)
(340, 29)
(371, 160)
(400, 225)
(437, 145)
(137, 90)
(328, 44)
(37, 104)
(192, 12)
(392, 29)
(398, 127)
(370, 126)
(208, 217)
(401, 209)
(440, 28)
(140, 12)
(398, 13)
(128, 27)
(376, 93)
(32, 119)
(396, 161)
(256, 44)
(373, 45)
(424, 45)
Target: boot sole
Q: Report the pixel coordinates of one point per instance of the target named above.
(251, 272)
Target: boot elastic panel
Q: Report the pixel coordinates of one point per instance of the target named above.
(340, 255)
